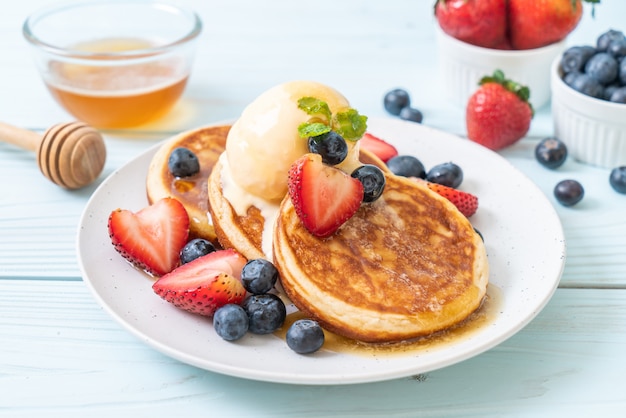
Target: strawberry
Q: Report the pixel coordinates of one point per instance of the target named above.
(465, 202)
(152, 238)
(377, 146)
(498, 113)
(536, 23)
(324, 197)
(204, 284)
(477, 22)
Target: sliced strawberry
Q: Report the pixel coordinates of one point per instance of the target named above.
(379, 147)
(152, 238)
(324, 197)
(228, 261)
(465, 202)
(204, 284)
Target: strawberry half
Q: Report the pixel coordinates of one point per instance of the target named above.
(379, 147)
(465, 202)
(152, 238)
(324, 197)
(204, 284)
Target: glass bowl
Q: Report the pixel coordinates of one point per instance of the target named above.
(114, 63)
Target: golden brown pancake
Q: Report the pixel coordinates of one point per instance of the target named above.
(407, 265)
(245, 231)
(207, 143)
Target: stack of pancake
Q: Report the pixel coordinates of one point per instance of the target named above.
(407, 265)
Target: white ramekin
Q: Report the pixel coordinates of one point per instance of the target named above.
(462, 65)
(594, 130)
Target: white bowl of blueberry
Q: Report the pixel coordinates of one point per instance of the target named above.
(589, 100)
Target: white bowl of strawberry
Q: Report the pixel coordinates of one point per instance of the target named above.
(519, 37)
(589, 100)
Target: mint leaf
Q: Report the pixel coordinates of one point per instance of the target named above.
(315, 108)
(308, 129)
(350, 124)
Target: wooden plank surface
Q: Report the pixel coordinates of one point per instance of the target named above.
(56, 333)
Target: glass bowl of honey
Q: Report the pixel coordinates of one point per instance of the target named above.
(114, 63)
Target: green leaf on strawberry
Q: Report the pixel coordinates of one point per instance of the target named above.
(523, 92)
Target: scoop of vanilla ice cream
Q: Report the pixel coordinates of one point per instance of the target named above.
(264, 142)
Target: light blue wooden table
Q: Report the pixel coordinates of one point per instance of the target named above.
(61, 355)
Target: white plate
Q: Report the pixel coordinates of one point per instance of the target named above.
(523, 236)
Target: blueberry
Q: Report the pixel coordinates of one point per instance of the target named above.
(568, 192)
(585, 84)
(619, 95)
(605, 39)
(609, 90)
(617, 179)
(396, 100)
(622, 72)
(569, 78)
(195, 248)
(575, 58)
(603, 67)
(407, 166)
(266, 313)
(331, 146)
(373, 181)
(183, 162)
(305, 336)
(259, 276)
(411, 114)
(617, 48)
(551, 152)
(447, 174)
(231, 322)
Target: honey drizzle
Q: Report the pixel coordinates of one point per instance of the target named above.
(480, 318)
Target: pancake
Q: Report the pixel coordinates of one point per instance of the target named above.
(243, 227)
(207, 143)
(407, 265)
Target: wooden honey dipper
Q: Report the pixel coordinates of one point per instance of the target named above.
(71, 155)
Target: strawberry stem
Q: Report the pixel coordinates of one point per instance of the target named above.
(593, 6)
(521, 91)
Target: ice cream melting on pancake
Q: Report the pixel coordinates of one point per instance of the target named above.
(264, 142)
